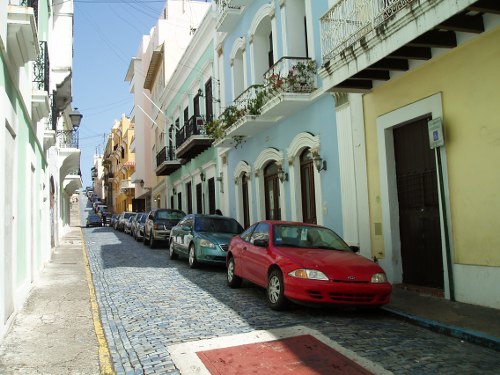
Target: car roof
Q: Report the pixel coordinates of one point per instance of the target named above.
(284, 222)
(214, 216)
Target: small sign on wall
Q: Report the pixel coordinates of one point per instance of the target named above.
(435, 128)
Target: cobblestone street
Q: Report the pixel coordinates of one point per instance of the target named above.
(149, 302)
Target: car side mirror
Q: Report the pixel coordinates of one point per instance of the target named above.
(261, 243)
(354, 248)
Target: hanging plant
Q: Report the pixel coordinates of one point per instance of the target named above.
(255, 104)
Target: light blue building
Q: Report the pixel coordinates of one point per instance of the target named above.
(287, 145)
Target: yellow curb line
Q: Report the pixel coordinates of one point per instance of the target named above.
(105, 365)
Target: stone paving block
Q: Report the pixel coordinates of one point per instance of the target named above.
(148, 302)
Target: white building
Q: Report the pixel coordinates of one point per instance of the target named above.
(39, 151)
(148, 74)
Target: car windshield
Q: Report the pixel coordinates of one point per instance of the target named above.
(218, 225)
(310, 237)
(126, 215)
(170, 215)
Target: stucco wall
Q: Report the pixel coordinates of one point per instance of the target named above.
(469, 81)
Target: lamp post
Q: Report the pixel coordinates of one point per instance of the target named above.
(69, 138)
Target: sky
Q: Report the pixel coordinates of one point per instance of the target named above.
(107, 34)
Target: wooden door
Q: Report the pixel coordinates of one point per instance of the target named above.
(272, 192)
(419, 222)
(307, 187)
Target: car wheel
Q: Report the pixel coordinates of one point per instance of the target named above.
(145, 240)
(152, 242)
(193, 263)
(172, 254)
(232, 280)
(276, 290)
(87, 225)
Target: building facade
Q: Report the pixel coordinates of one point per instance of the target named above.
(148, 74)
(193, 182)
(288, 152)
(118, 167)
(39, 158)
(428, 74)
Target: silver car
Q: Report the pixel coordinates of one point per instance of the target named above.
(158, 225)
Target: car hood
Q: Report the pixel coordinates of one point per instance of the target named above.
(219, 238)
(337, 265)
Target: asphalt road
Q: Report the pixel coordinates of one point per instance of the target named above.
(149, 302)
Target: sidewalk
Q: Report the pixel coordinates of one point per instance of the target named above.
(479, 325)
(54, 331)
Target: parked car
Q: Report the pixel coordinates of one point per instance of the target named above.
(203, 238)
(158, 225)
(93, 221)
(113, 220)
(306, 263)
(96, 203)
(120, 223)
(127, 226)
(138, 226)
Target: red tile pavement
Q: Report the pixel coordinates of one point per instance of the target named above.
(298, 355)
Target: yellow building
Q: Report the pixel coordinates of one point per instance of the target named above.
(119, 164)
(432, 137)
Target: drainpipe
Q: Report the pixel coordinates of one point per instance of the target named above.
(445, 228)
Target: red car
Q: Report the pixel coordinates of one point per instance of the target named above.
(304, 263)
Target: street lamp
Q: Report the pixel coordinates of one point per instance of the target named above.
(76, 118)
(69, 138)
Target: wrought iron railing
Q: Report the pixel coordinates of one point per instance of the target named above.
(246, 98)
(67, 138)
(41, 69)
(166, 154)
(292, 74)
(349, 20)
(194, 126)
(224, 5)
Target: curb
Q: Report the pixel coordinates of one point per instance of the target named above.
(464, 334)
(105, 363)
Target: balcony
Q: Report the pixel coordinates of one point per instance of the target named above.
(290, 83)
(67, 139)
(243, 119)
(49, 136)
(192, 139)
(166, 162)
(40, 103)
(368, 41)
(22, 31)
(288, 88)
(229, 13)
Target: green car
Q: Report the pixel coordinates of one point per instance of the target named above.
(203, 238)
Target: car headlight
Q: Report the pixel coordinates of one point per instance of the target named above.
(206, 243)
(379, 278)
(308, 274)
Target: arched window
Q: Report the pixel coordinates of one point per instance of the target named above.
(272, 192)
(307, 187)
(263, 54)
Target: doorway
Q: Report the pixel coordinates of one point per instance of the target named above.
(417, 191)
(272, 192)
